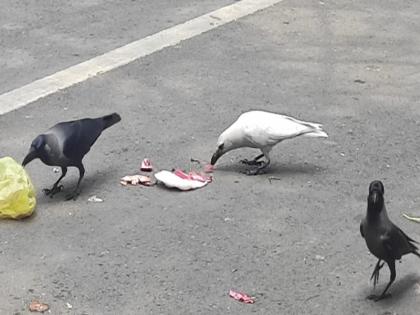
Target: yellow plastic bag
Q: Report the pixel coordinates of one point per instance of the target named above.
(17, 194)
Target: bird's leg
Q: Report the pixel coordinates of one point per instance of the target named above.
(375, 273)
(76, 191)
(391, 265)
(258, 170)
(254, 161)
(55, 188)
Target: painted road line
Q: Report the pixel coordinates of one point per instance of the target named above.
(123, 55)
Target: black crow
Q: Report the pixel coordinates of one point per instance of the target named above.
(383, 238)
(66, 144)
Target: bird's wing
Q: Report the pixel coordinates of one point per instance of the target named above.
(406, 236)
(408, 244)
(361, 229)
(397, 243)
(268, 130)
(78, 136)
(390, 245)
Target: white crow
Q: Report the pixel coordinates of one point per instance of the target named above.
(263, 130)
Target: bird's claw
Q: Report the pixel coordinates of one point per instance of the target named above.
(254, 171)
(54, 190)
(252, 162)
(375, 274)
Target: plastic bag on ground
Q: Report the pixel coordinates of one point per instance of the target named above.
(17, 194)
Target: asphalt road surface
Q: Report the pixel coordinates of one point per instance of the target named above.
(293, 243)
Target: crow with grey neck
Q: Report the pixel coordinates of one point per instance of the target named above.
(383, 238)
(66, 144)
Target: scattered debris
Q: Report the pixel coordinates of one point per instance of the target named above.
(215, 17)
(136, 180)
(195, 160)
(373, 68)
(271, 178)
(146, 165)
(319, 257)
(183, 181)
(342, 154)
(414, 219)
(312, 297)
(359, 81)
(94, 198)
(417, 288)
(241, 297)
(56, 169)
(37, 306)
(69, 306)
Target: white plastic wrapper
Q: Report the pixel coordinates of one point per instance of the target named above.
(181, 180)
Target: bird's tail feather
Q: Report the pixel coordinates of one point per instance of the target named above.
(317, 134)
(306, 123)
(315, 128)
(110, 120)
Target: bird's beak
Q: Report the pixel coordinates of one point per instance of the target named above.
(29, 157)
(216, 156)
(375, 197)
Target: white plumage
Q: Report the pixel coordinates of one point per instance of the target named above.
(263, 130)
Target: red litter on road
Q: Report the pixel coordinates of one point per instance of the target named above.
(241, 297)
(146, 166)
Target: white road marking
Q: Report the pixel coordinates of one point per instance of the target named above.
(123, 55)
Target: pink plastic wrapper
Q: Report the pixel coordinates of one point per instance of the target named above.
(193, 176)
(37, 306)
(241, 297)
(208, 168)
(146, 165)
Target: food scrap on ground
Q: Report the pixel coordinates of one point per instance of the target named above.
(414, 219)
(146, 165)
(135, 180)
(94, 198)
(241, 297)
(182, 180)
(208, 168)
(37, 306)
